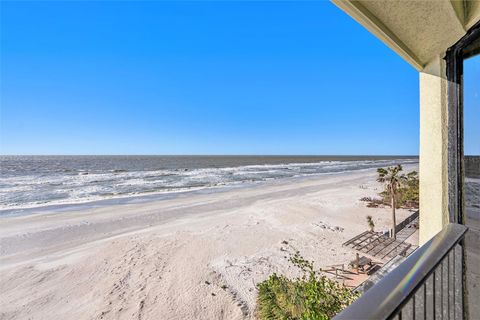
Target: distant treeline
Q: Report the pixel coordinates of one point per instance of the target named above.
(472, 166)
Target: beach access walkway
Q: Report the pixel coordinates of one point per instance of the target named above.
(379, 246)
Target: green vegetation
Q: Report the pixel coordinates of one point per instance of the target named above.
(392, 180)
(410, 194)
(407, 196)
(310, 296)
(400, 189)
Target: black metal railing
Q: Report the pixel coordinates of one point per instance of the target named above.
(429, 284)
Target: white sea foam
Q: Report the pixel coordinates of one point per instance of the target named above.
(27, 185)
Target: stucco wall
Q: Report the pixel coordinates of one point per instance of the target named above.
(433, 150)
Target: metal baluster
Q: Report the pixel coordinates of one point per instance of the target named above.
(441, 288)
(425, 300)
(448, 285)
(434, 293)
(413, 306)
(454, 289)
(462, 284)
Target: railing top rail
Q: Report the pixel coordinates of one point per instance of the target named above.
(387, 297)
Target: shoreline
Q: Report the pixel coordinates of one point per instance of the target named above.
(159, 195)
(106, 262)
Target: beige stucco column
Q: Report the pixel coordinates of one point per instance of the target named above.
(433, 150)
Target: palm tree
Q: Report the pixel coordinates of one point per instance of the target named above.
(393, 180)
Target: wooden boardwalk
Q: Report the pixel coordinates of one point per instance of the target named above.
(379, 246)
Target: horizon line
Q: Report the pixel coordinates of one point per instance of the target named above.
(219, 155)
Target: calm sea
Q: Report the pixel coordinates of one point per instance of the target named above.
(35, 181)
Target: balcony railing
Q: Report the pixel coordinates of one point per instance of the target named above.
(429, 284)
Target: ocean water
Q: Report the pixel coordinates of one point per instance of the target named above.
(37, 181)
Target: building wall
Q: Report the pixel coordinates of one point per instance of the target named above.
(433, 149)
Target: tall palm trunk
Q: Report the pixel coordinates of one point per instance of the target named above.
(394, 220)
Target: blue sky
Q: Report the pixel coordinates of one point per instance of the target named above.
(471, 108)
(200, 78)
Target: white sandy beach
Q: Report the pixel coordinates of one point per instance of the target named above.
(192, 257)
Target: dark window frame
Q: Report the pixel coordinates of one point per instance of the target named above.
(454, 57)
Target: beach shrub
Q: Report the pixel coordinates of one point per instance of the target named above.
(310, 296)
(370, 223)
(410, 191)
(372, 202)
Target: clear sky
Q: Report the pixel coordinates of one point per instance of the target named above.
(200, 78)
(471, 108)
